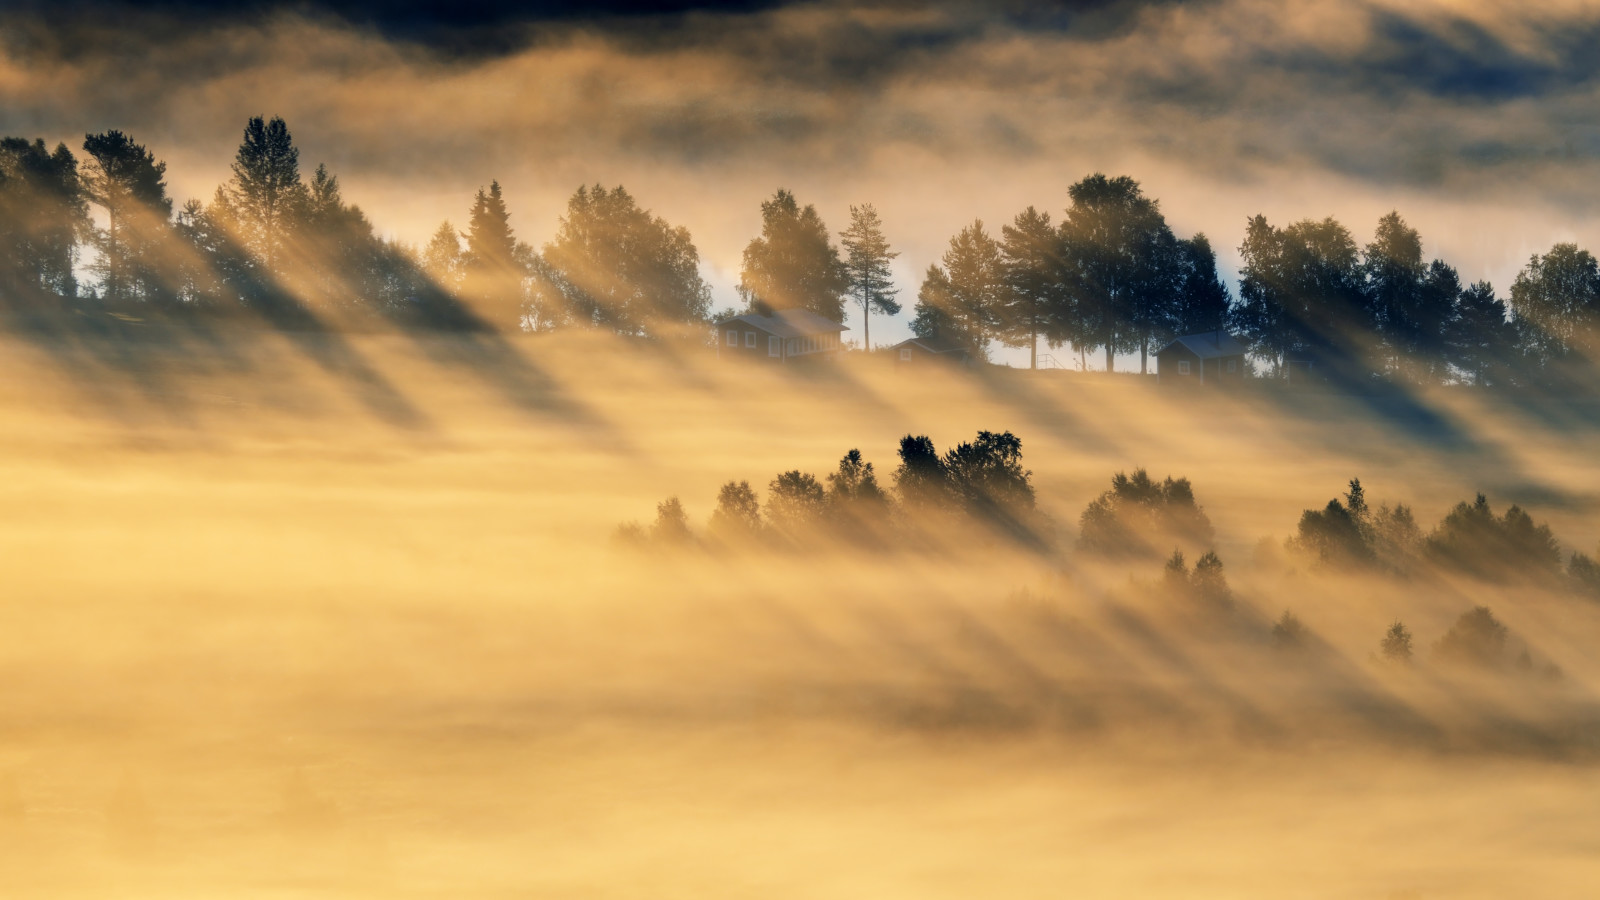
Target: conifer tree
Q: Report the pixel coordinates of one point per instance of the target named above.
(963, 300)
(265, 199)
(866, 263)
(1035, 302)
(492, 265)
(128, 183)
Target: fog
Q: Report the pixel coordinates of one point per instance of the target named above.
(343, 615)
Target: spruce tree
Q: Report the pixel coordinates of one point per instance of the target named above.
(492, 268)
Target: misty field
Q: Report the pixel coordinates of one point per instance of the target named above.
(345, 615)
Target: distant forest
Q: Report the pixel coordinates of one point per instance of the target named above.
(1110, 277)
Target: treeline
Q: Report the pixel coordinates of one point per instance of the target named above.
(981, 482)
(1110, 277)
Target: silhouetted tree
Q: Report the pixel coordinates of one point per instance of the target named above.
(344, 262)
(492, 265)
(866, 265)
(738, 512)
(1209, 582)
(1203, 302)
(1120, 258)
(614, 265)
(265, 199)
(963, 300)
(793, 263)
(1556, 301)
(1035, 301)
(1396, 644)
(1301, 294)
(43, 214)
(1479, 337)
(1473, 540)
(126, 181)
(987, 476)
(1139, 512)
(1337, 534)
(921, 479)
(795, 503)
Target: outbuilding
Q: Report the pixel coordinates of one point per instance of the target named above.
(912, 351)
(1210, 357)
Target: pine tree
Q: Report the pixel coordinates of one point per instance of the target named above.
(963, 300)
(867, 258)
(43, 213)
(265, 198)
(128, 183)
(1035, 302)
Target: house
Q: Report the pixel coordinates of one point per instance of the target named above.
(1210, 357)
(937, 348)
(784, 335)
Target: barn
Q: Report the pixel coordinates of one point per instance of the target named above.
(786, 334)
(1210, 357)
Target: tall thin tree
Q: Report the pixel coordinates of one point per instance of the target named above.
(866, 264)
(128, 183)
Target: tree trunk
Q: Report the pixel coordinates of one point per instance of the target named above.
(1110, 357)
(866, 325)
(1144, 348)
(1033, 348)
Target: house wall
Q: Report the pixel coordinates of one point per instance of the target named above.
(791, 348)
(1216, 370)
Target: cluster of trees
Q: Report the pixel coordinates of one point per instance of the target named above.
(1471, 540)
(981, 481)
(1138, 514)
(271, 238)
(1110, 276)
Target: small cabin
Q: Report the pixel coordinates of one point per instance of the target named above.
(913, 351)
(1211, 357)
(786, 334)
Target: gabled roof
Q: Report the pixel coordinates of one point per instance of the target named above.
(935, 344)
(1206, 345)
(788, 323)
